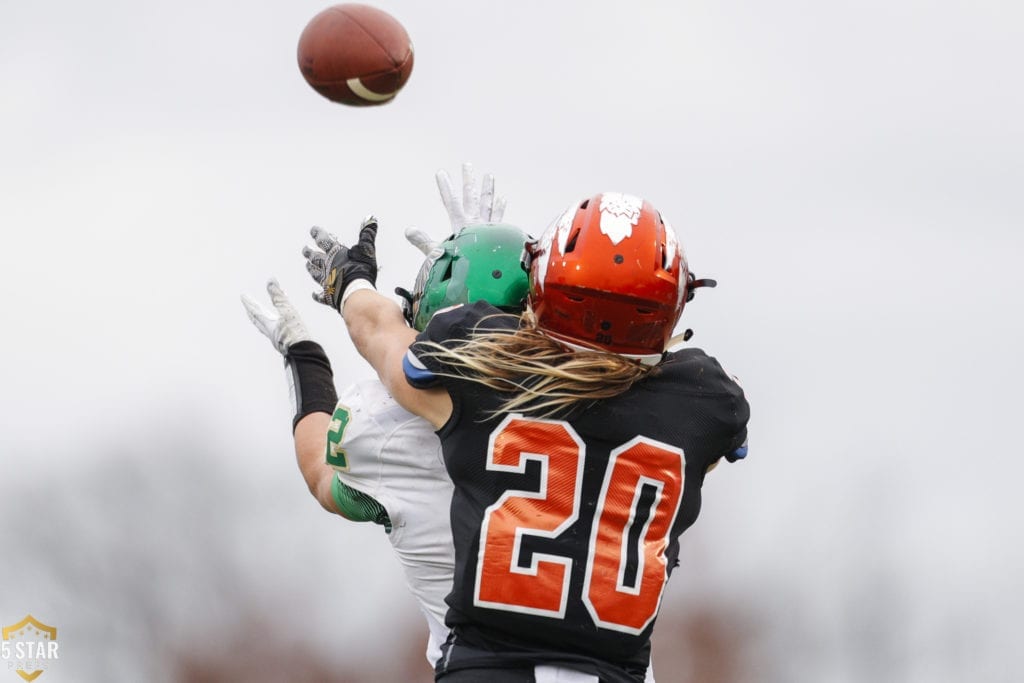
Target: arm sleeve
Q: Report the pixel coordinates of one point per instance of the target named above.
(740, 452)
(310, 380)
(416, 373)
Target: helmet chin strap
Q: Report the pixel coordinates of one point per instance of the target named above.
(409, 301)
(695, 283)
(690, 286)
(704, 282)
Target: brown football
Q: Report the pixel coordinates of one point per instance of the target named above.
(355, 54)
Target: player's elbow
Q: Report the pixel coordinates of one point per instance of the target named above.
(320, 488)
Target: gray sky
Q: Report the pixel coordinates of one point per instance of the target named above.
(850, 172)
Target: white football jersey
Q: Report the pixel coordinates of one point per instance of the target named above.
(395, 457)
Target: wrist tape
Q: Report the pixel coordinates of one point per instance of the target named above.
(350, 289)
(311, 380)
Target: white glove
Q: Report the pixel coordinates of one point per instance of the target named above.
(475, 207)
(283, 327)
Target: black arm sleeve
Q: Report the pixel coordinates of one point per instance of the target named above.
(312, 380)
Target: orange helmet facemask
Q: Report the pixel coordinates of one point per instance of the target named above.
(609, 274)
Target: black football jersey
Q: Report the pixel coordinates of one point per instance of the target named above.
(566, 530)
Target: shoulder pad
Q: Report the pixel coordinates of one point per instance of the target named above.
(416, 374)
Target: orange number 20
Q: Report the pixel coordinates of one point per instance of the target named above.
(625, 565)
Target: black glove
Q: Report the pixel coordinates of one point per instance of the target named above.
(337, 266)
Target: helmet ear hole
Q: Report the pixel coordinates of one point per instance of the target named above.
(447, 275)
(584, 205)
(571, 244)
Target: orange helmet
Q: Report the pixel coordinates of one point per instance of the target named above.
(609, 274)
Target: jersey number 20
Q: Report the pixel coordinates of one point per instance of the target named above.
(625, 563)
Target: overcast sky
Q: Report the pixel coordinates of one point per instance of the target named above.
(850, 172)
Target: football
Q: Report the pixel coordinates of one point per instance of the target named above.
(355, 54)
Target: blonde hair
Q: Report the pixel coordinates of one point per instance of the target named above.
(541, 377)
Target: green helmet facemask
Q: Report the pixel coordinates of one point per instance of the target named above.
(481, 262)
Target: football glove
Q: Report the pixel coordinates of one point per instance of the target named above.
(282, 326)
(483, 206)
(336, 266)
(307, 368)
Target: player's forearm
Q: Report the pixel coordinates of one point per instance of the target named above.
(310, 444)
(377, 329)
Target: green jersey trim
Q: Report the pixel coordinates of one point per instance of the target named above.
(358, 506)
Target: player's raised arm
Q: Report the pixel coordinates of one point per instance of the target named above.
(310, 385)
(347, 277)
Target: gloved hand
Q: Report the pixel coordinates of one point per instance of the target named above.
(283, 326)
(307, 368)
(336, 266)
(475, 207)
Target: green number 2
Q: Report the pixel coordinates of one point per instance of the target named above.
(336, 455)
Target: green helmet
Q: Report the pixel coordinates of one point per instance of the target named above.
(481, 262)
